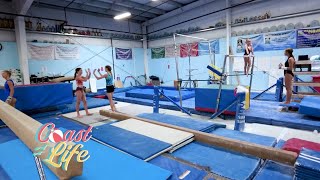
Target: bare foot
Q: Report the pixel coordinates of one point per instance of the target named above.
(79, 116)
(89, 114)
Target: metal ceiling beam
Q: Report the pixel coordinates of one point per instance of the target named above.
(22, 6)
(118, 8)
(175, 3)
(84, 11)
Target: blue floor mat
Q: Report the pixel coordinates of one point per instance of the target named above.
(92, 103)
(6, 135)
(264, 96)
(268, 113)
(140, 146)
(61, 122)
(272, 170)
(222, 162)
(198, 125)
(104, 163)
(310, 106)
(149, 93)
(177, 168)
(248, 137)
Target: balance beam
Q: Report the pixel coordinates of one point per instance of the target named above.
(256, 150)
(26, 128)
(63, 79)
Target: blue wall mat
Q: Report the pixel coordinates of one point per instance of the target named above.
(6, 135)
(107, 163)
(149, 93)
(195, 124)
(273, 170)
(248, 137)
(177, 168)
(135, 144)
(310, 106)
(41, 96)
(18, 162)
(222, 162)
(206, 98)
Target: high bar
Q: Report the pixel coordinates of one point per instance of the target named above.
(191, 37)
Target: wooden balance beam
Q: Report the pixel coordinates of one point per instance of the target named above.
(256, 150)
(26, 128)
(63, 79)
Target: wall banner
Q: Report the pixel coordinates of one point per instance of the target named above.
(157, 53)
(67, 53)
(280, 40)
(123, 54)
(308, 38)
(257, 43)
(41, 52)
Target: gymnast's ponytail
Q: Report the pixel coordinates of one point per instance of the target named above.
(76, 72)
(289, 51)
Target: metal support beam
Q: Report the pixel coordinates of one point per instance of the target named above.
(22, 6)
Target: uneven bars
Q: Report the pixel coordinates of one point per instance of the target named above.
(191, 37)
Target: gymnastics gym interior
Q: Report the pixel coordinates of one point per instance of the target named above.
(203, 89)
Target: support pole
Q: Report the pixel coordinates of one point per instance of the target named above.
(239, 122)
(112, 52)
(156, 99)
(177, 66)
(145, 53)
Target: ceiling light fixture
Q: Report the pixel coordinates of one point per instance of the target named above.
(122, 16)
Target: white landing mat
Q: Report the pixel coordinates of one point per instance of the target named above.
(164, 134)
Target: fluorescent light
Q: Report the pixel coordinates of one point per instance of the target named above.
(122, 16)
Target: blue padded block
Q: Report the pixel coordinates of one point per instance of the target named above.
(222, 162)
(280, 144)
(273, 170)
(198, 125)
(6, 135)
(177, 168)
(205, 98)
(132, 143)
(107, 163)
(149, 93)
(309, 163)
(310, 106)
(18, 162)
(247, 137)
(41, 96)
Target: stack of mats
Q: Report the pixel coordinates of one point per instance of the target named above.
(295, 145)
(307, 165)
(141, 139)
(310, 106)
(149, 93)
(18, 162)
(194, 124)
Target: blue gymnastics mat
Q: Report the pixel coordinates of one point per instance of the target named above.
(178, 168)
(264, 96)
(310, 105)
(307, 165)
(248, 137)
(61, 122)
(149, 93)
(195, 124)
(228, 164)
(273, 170)
(6, 135)
(267, 112)
(104, 163)
(137, 145)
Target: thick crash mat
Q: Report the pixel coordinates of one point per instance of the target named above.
(310, 106)
(206, 98)
(149, 93)
(225, 163)
(248, 137)
(179, 170)
(295, 145)
(104, 163)
(307, 165)
(137, 145)
(33, 97)
(194, 124)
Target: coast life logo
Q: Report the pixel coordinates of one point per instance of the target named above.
(62, 150)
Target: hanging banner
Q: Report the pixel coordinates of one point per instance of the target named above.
(123, 54)
(280, 40)
(41, 52)
(189, 50)
(257, 43)
(204, 47)
(157, 53)
(308, 38)
(170, 51)
(67, 53)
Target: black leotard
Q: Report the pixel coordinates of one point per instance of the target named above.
(245, 51)
(286, 64)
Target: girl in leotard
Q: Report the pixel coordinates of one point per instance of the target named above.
(9, 88)
(288, 68)
(109, 84)
(247, 51)
(81, 95)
